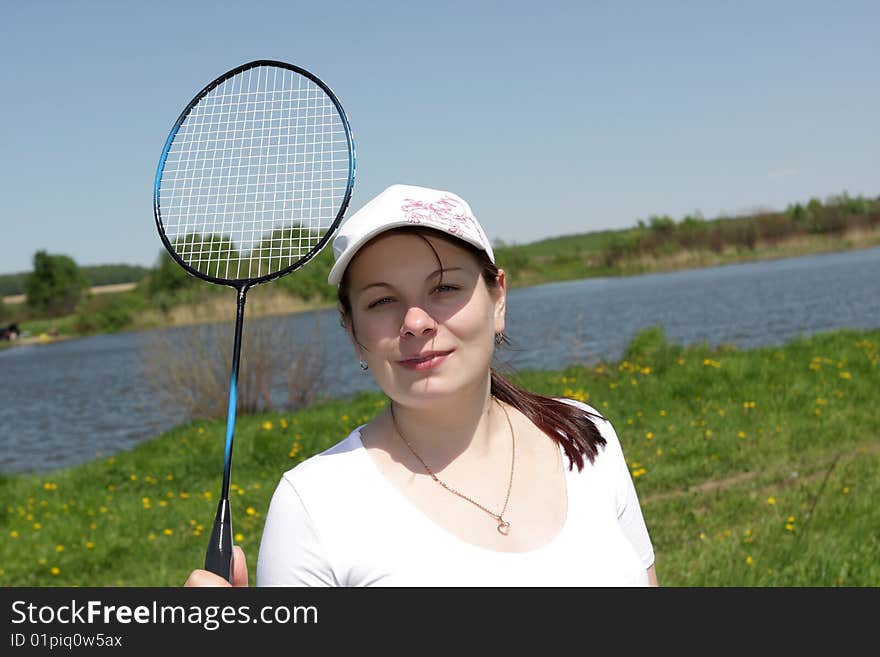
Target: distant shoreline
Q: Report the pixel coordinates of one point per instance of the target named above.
(97, 289)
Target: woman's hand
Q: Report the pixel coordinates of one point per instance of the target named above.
(207, 578)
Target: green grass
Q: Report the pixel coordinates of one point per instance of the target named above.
(754, 468)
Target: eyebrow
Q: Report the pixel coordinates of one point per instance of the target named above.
(433, 274)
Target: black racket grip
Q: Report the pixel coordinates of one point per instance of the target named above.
(219, 556)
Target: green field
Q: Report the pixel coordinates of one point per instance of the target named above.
(755, 468)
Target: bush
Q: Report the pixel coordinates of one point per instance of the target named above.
(107, 313)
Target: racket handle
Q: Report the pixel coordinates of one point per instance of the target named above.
(218, 559)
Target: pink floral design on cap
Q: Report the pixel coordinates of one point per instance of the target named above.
(446, 211)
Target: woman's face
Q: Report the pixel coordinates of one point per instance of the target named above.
(424, 338)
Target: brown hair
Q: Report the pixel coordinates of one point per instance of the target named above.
(573, 428)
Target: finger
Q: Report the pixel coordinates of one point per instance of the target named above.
(204, 578)
(239, 567)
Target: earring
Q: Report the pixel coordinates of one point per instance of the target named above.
(363, 364)
(499, 338)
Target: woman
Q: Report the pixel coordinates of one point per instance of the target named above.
(463, 479)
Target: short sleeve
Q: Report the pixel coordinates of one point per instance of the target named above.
(629, 511)
(291, 553)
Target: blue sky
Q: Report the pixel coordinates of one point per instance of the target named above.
(550, 118)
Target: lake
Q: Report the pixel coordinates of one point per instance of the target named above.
(71, 401)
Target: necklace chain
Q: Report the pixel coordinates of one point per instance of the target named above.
(503, 525)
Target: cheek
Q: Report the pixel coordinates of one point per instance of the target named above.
(374, 330)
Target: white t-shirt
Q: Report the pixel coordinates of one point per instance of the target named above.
(335, 520)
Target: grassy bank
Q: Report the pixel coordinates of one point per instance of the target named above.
(755, 468)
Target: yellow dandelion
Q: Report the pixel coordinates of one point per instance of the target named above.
(750, 561)
(267, 425)
(662, 413)
(55, 570)
(184, 495)
(167, 531)
(789, 526)
(741, 434)
(90, 545)
(37, 526)
(708, 433)
(59, 548)
(169, 477)
(659, 452)
(152, 537)
(239, 537)
(791, 518)
(251, 511)
(93, 526)
(771, 500)
(13, 534)
(163, 503)
(649, 435)
(646, 370)
(845, 490)
(845, 375)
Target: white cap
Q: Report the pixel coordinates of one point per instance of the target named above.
(406, 205)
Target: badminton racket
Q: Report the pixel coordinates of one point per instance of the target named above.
(254, 178)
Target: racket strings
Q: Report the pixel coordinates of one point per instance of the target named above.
(256, 175)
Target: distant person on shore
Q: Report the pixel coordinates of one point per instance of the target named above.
(10, 332)
(463, 479)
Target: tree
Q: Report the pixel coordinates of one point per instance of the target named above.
(55, 285)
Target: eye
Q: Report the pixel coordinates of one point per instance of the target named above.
(379, 302)
(446, 287)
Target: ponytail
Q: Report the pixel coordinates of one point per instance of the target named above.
(571, 427)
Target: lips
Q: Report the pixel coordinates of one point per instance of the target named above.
(424, 361)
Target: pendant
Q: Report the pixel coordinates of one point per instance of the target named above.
(503, 526)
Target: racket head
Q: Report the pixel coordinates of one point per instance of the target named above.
(255, 175)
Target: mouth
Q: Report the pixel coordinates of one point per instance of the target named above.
(425, 361)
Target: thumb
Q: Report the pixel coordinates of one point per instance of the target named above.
(239, 567)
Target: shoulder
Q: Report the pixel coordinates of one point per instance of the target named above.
(603, 424)
(322, 470)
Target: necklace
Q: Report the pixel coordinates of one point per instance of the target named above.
(503, 525)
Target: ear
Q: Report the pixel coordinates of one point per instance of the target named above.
(500, 294)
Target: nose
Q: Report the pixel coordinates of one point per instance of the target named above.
(417, 322)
